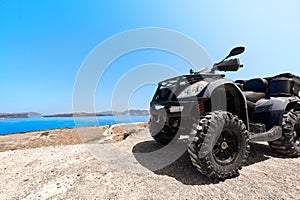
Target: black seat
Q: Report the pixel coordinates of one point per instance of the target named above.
(256, 85)
(254, 96)
(254, 90)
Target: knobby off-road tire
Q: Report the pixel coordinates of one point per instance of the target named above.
(160, 134)
(289, 143)
(163, 138)
(220, 145)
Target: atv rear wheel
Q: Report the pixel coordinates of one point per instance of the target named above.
(220, 145)
(289, 143)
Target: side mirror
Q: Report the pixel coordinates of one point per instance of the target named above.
(235, 51)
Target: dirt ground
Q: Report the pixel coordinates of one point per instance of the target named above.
(119, 171)
(65, 136)
(53, 137)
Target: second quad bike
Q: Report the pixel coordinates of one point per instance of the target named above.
(221, 116)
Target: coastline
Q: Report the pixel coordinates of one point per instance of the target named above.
(66, 136)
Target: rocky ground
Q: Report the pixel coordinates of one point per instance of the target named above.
(119, 170)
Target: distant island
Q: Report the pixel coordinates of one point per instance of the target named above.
(18, 115)
(81, 114)
(133, 112)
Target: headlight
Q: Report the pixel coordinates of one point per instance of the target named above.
(193, 90)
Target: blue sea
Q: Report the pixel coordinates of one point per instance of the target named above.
(19, 125)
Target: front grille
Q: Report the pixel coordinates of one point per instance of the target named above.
(165, 94)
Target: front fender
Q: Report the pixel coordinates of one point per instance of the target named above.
(227, 96)
(213, 85)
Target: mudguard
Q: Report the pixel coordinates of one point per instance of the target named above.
(215, 84)
(227, 96)
(270, 111)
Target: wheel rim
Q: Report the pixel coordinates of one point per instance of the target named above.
(226, 148)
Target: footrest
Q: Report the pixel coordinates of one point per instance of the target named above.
(271, 135)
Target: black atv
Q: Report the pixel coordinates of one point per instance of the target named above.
(221, 117)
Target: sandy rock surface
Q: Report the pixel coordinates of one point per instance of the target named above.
(114, 171)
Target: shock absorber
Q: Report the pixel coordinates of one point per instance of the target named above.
(201, 107)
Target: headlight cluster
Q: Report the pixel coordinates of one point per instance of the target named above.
(193, 90)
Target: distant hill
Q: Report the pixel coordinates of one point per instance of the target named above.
(106, 113)
(136, 112)
(18, 115)
(132, 112)
(81, 114)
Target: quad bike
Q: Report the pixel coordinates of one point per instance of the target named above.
(221, 117)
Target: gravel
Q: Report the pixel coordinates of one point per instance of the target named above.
(99, 171)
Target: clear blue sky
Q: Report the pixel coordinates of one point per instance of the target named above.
(43, 43)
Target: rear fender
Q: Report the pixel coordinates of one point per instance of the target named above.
(296, 106)
(276, 107)
(286, 104)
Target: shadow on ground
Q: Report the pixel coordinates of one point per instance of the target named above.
(261, 152)
(182, 168)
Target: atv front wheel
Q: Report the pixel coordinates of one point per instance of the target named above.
(220, 145)
(289, 143)
(163, 138)
(161, 134)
